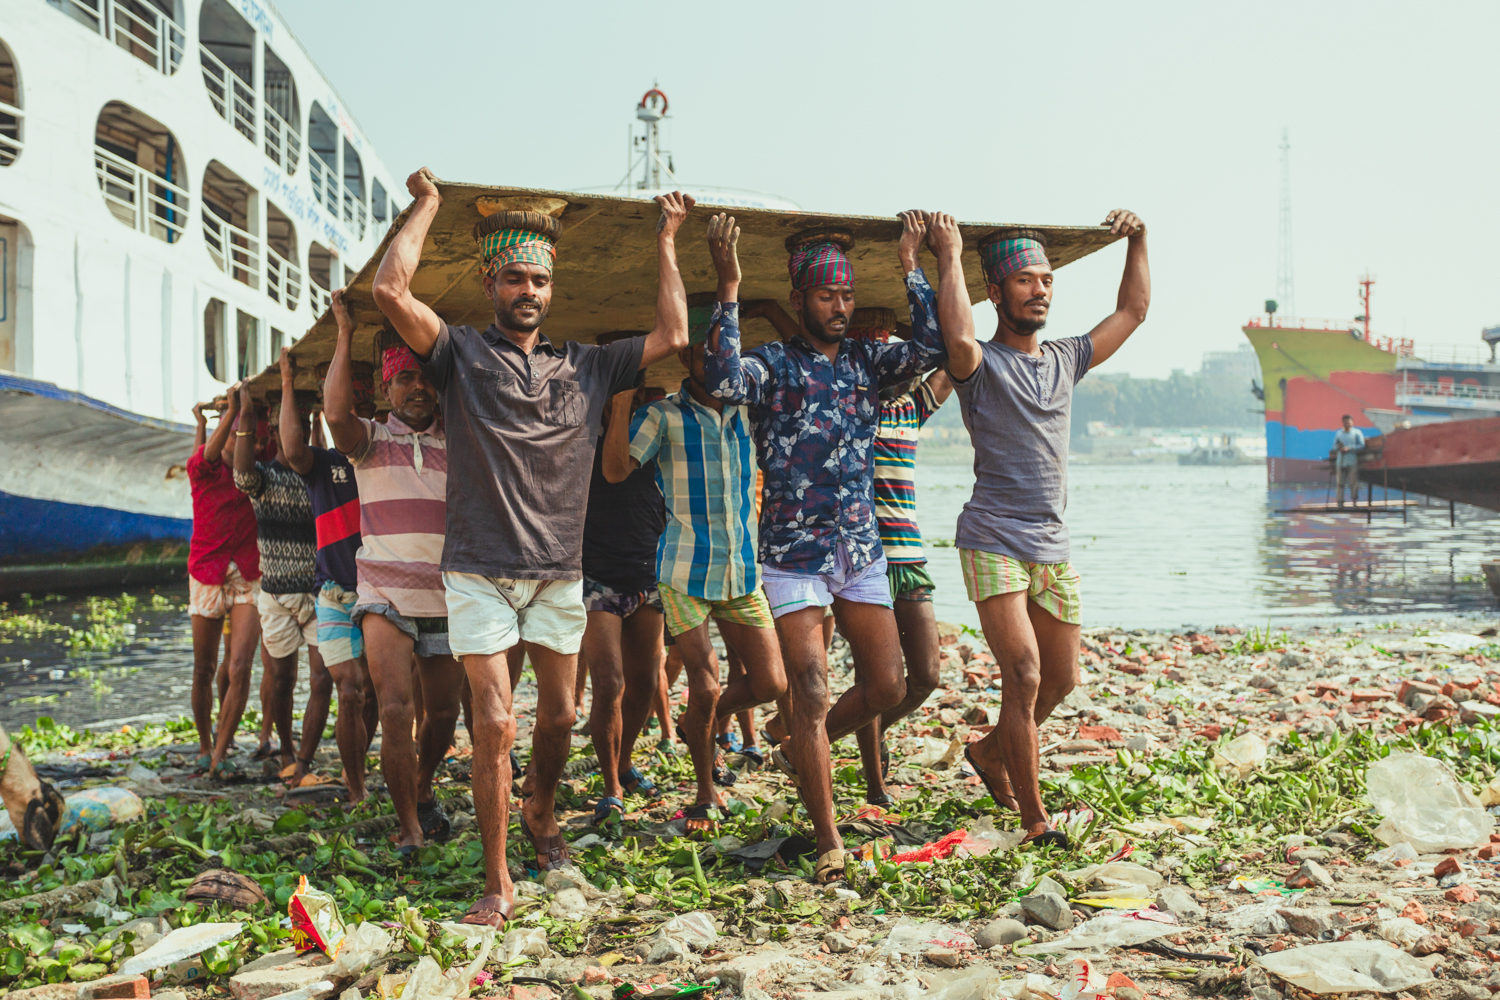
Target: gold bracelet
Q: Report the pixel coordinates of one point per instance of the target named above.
(243, 434)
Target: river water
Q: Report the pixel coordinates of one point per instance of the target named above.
(1158, 546)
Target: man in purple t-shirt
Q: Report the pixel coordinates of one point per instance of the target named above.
(335, 505)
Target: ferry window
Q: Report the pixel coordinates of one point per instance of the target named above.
(320, 265)
(247, 337)
(230, 221)
(10, 108)
(323, 144)
(377, 205)
(278, 341)
(213, 339)
(140, 170)
(150, 30)
(226, 50)
(354, 192)
(281, 125)
(283, 276)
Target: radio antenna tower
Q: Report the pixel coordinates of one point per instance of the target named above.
(1284, 292)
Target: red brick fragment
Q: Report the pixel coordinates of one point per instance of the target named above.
(1101, 733)
(118, 988)
(1210, 732)
(1413, 911)
(1487, 852)
(1461, 894)
(1368, 694)
(1118, 979)
(1447, 866)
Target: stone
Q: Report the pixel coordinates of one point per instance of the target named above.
(594, 975)
(259, 981)
(116, 988)
(1129, 993)
(948, 958)
(1000, 932)
(1429, 945)
(758, 969)
(1447, 866)
(1461, 894)
(1311, 874)
(665, 948)
(1264, 993)
(1313, 921)
(837, 943)
(50, 991)
(1048, 909)
(1297, 855)
(1180, 903)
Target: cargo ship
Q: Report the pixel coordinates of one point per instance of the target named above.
(180, 191)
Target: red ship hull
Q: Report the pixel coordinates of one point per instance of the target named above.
(1456, 460)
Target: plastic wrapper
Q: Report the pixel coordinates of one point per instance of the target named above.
(1403, 932)
(529, 941)
(983, 982)
(677, 989)
(101, 808)
(913, 937)
(362, 948)
(183, 943)
(1245, 754)
(1425, 805)
(1108, 930)
(1346, 967)
(428, 982)
(1395, 854)
(984, 839)
(696, 928)
(928, 751)
(316, 923)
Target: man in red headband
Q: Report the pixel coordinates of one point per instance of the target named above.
(401, 468)
(522, 415)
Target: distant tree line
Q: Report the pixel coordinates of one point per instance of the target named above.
(1179, 401)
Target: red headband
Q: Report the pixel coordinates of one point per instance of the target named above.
(397, 360)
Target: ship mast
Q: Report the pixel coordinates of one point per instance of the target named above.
(645, 152)
(1284, 290)
(1364, 298)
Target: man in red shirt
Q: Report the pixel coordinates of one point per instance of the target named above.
(223, 581)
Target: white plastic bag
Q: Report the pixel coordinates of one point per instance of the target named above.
(528, 941)
(1347, 967)
(362, 948)
(914, 937)
(696, 928)
(1243, 753)
(1103, 932)
(1425, 805)
(182, 943)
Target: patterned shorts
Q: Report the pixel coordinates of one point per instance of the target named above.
(1053, 587)
(620, 603)
(910, 582)
(685, 612)
(339, 639)
(213, 600)
(287, 621)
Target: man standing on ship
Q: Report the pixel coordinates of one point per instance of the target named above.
(1347, 442)
(1016, 393)
(522, 417)
(815, 406)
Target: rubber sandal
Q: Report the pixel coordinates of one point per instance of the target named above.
(879, 800)
(637, 783)
(44, 818)
(203, 762)
(722, 775)
(701, 811)
(754, 757)
(407, 851)
(765, 737)
(264, 752)
(1050, 838)
(608, 811)
(1012, 805)
(310, 780)
(517, 772)
(488, 914)
(730, 742)
(434, 821)
(554, 849)
(228, 772)
(288, 773)
(783, 763)
(830, 867)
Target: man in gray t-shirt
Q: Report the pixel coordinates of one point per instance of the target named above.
(522, 417)
(1016, 394)
(1347, 442)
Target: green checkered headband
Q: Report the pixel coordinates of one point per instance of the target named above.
(516, 237)
(700, 316)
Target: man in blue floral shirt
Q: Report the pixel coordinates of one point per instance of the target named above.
(814, 405)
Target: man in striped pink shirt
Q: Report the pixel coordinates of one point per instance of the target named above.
(401, 467)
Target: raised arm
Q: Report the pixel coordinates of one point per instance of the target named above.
(214, 448)
(899, 361)
(1135, 288)
(414, 320)
(244, 436)
(941, 386)
(726, 374)
(615, 458)
(200, 433)
(670, 334)
(294, 450)
(955, 312)
(349, 434)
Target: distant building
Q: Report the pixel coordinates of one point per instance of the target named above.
(1240, 364)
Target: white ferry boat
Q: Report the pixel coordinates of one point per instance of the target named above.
(180, 189)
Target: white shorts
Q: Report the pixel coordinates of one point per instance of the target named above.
(788, 592)
(487, 615)
(287, 621)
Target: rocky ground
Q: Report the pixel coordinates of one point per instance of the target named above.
(1257, 813)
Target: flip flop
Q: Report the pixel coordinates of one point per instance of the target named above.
(433, 820)
(407, 851)
(203, 762)
(311, 780)
(490, 914)
(554, 849)
(1012, 805)
(228, 772)
(608, 811)
(702, 811)
(752, 754)
(830, 867)
(783, 763)
(1049, 838)
(264, 752)
(885, 761)
(637, 783)
(722, 775)
(730, 742)
(879, 800)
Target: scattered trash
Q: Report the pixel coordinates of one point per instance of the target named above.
(1395, 854)
(677, 989)
(530, 941)
(1257, 886)
(1347, 967)
(316, 923)
(362, 947)
(101, 808)
(913, 937)
(224, 886)
(1107, 930)
(1243, 753)
(179, 945)
(1425, 805)
(697, 929)
(927, 751)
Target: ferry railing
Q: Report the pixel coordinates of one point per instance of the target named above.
(319, 298)
(356, 216)
(283, 280)
(1410, 391)
(283, 143)
(236, 252)
(10, 133)
(148, 34)
(325, 189)
(232, 98)
(140, 199)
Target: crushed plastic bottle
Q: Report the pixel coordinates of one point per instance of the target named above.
(1425, 805)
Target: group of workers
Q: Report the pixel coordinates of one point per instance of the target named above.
(773, 493)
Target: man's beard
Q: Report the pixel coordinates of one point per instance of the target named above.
(819, 331)
(510, 321)
(1023, 325)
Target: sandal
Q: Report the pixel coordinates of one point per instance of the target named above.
(608, 811)
(883, 799)
(44, 818)
(227, 772)
(830, 867)
(1049, 838)
(1009, 796)
(551, 852)
(434, 821)
(264, 752)
(885, 761)
(310, 780)
(637, 783)
(730, 742)
(722, 775)
(701, 811)
(490, 914)
(203, 762)
(407, 851)
(752, 754)
(783, 763)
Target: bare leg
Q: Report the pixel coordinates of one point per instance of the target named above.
(244, 637)
(802, 650)
(493, 735)
(442, 690)
(601, 651)
(880, 684)
(389, 651)
(466, 698)
(551, 736)
(661, 701)
(919, 646)
(776, 725)
(206, 635)
(278, 677)
(315, 716)
(418, 709)
(371, 704)
(697, 729)
(641, 659)
(349, 726)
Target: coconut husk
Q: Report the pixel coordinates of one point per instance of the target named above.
(224, 886)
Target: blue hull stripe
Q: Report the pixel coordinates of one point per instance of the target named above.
(30, 527)
(1310, 445)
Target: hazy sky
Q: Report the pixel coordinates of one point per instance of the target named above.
(999, 112)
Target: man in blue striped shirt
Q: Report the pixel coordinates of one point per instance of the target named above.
(706, 561)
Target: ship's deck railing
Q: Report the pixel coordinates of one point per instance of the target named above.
(283, 143)
(356, 216)
(138, 28)
(283, 280)
(140, 199)
(1399, 346)
(325, 189)
(319, 298)
(1450, 354)
(10, 133)
(1415, 392)
(232, 98)
(236, 252)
